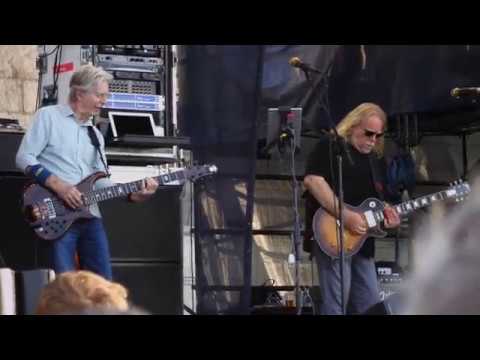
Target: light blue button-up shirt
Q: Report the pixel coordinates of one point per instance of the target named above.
(60, 142)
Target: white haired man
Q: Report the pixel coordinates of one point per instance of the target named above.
(57, 152)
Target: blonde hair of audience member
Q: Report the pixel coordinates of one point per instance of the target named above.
(446, 270)
(354, 118)
(77, 291)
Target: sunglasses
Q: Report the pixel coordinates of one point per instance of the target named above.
(370, 134)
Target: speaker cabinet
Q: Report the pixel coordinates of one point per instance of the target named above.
(156, 288)
(146, 249)
(29, 284)
(9, 143)
(151, 230)
(391, 305)
(19, 243)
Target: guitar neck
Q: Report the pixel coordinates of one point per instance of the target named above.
(122, 190)
(407, 207)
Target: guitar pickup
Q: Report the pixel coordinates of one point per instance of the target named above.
(370, 219)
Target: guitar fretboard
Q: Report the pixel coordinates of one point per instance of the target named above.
(407, 207)
(120, 190)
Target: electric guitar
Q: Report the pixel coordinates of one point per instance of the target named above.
(56, 217)
(325, 226)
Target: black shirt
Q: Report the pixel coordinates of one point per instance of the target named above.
(358, 183)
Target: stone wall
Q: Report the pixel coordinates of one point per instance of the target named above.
(18, 82)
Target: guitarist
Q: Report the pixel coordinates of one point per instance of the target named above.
(60, 149)
(362, 129)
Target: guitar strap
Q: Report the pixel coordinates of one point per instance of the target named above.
(378, 182)
(96, 143)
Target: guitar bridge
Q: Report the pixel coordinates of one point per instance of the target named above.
(51, 213)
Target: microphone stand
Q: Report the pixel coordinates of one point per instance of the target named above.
(288, 137)
(296, 230)
(339, 148)
(289, 134)
(292, 135)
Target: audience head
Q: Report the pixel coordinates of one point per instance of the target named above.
(446, 270)
(80, 291)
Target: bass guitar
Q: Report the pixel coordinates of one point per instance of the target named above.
(50, 217)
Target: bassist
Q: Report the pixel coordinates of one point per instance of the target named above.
(57, 152)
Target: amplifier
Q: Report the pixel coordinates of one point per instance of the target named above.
(389, 277)
(137, 50)
(391, 294)
(141, 102)
(132, 83)
(111, 62)
(9, 143)
(29, 285)
(389, 285)
(135, 74)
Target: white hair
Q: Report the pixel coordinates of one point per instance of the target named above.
(86, 78)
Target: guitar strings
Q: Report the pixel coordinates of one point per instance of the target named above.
(88, 195)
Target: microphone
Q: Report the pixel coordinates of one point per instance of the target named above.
(296, 62)
(468, 91)
(346, 150)
(341, 143)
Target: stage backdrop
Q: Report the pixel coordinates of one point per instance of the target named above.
(218, 106)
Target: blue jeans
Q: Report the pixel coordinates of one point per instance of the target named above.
(87, 237)
(360, 279)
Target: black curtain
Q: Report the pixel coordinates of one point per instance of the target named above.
(403, 78)
(283, 85)
(400, 78)
(220, 91)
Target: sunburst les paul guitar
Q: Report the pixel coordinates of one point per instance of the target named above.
(55, 217)
(325, 226)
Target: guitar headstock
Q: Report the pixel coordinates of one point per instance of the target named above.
(199, 171)
(461, 189)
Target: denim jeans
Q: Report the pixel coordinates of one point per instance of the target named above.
(360, 279)
(86, 237)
